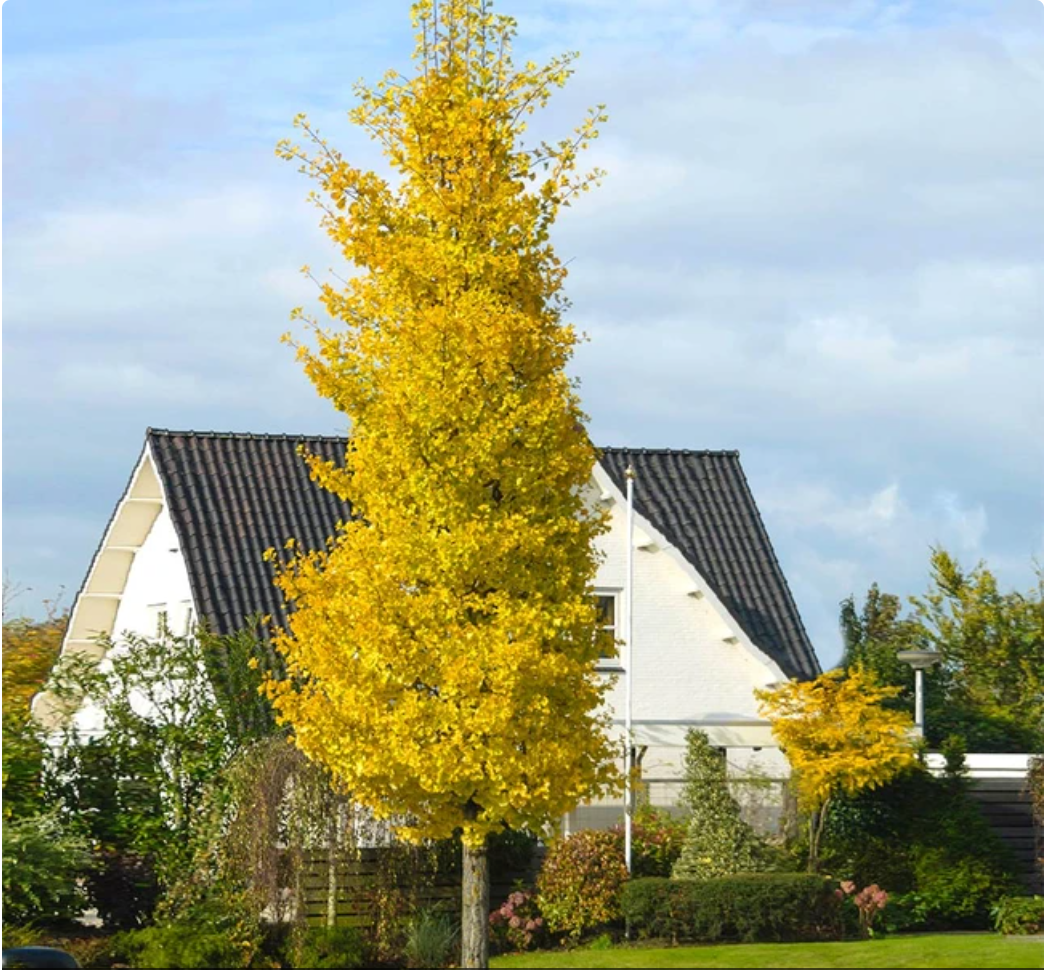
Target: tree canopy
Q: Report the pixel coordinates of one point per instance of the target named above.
(441, 650)
(989, 685)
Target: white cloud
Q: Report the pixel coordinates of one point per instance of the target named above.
(966, 526)
(127, 382)
(883, 519)
(841, 541)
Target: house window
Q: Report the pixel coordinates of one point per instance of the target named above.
(156, 621)
(189, 618)
(608, 614)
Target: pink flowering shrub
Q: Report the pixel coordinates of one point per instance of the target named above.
(517, 924)
(869, 901)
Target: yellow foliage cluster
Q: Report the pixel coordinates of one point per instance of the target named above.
(441, 650)
(30, 649)
(838, 735)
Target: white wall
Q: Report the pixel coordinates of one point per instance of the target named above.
(689, 665)
(693, 667)
(158, 580)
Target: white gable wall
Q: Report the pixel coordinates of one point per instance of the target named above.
(158, 581)
(693, 665)
(138, 572)
(685, 668)
(692, 661)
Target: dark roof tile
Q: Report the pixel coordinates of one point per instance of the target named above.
(232, 496)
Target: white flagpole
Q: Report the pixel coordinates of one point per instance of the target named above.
(629, 627)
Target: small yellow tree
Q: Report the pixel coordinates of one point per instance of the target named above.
(30, 649)
(441, 651)
(839, 738)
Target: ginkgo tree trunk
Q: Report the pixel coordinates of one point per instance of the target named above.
(441, 650)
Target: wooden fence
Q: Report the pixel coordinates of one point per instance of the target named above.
(369, 882)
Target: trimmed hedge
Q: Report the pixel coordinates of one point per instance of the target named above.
(755, 907)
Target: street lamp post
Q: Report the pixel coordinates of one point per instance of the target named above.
(920, 660)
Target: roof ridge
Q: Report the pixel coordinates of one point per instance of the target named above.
(287, 436)
(700, 452)
(247, 435)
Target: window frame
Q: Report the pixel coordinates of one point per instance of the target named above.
(607, 663)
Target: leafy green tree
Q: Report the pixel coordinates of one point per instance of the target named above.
(874, 635)
(992, 643)
(718, 842)
(989, 685)
(238, 665)
(136, 788)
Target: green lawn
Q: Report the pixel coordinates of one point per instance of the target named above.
(938, 950)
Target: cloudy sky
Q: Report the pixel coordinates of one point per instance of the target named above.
(821, 242)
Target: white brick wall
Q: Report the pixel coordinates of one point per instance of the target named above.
(685, 668)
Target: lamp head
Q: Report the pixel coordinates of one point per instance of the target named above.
(920, 659)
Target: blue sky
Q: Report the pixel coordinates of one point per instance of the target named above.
(821, 241)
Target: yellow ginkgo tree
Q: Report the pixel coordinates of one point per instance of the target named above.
(441, 650)
(839, 738)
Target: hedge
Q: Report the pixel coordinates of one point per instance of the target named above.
(755, 907)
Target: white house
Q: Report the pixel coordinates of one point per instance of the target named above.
(713, 616)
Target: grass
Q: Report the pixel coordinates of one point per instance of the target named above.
(937, 950)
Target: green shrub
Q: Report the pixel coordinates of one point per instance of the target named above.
(927, 842)
(718, 842)
(952, 892)
(328, 947)
(601, 943)
(91, 952)
(754, 907)
(580, 882)
(219, 931)
(43, 863)
(1019, 915)
(431, 939)
(657, 908)
(181, 946)
(16, 936)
